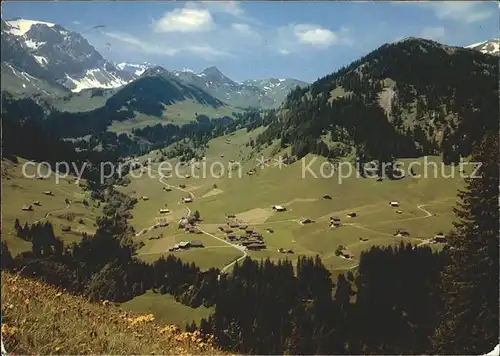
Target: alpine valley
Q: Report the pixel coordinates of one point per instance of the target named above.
(268, 216)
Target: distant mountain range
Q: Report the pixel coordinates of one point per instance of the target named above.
(46, 59)
(257, 93)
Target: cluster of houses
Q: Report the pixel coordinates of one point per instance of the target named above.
(185, 245)
(247, 237)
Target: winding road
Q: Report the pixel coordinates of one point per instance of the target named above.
(188, 212)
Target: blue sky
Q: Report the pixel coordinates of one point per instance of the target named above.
(248, 40)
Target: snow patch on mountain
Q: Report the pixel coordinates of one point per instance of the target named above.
(33, 44)
(19, 27)
(94, 78)
(487, 47)
(41, 60)
(136, 69)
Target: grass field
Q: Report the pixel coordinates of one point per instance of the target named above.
(179, 113)
(18, 190)
(166, 310)
(425, 205)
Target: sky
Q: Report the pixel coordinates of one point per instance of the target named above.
(253, 39)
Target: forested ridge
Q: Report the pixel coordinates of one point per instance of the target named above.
(405, 99)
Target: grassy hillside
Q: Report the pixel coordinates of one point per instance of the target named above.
(166, 310)
(18, 190)
(40, 319)
(179, 113)
(425, 206)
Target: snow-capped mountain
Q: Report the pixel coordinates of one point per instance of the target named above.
(277, 88)
(264, 93)
(134, 69)
(488, 47)
(52, 53)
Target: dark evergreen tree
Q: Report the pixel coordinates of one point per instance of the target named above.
(469, 323)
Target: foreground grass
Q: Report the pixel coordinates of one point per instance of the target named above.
(40, 319)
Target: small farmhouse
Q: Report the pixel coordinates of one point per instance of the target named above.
(162, 223)
(187, 199)
(196, 243)
(327, 197)
(47, 192)
(440, 237)
(27, 207)
(37, 202)
(304, 221)
(164, 211)
(278, 208)
(256, 246)
(394, 203)
(402, 232)
(145, 198)
(66, 229)
(352, 215)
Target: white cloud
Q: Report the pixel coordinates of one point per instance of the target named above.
(242, 28)
(297, 37)
(141, 45)
(206, 51)
(468, 12)
(433, 33)
(158, 46)
(76, 22)
(315, 36)
(185, 20)
(228, 7)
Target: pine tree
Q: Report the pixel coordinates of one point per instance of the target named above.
(469, 323)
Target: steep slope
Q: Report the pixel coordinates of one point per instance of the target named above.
(487, 47)
(407, 98)
(38, 318)
(21, 83)
(52, 53)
